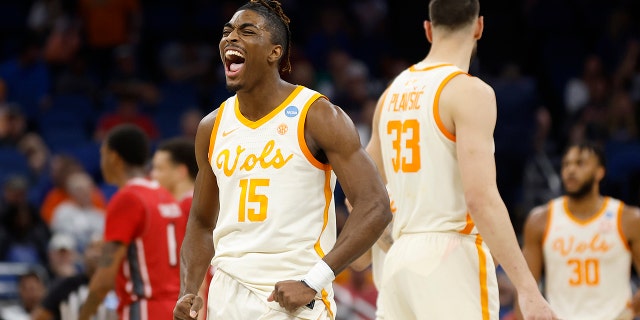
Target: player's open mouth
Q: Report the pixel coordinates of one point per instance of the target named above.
(233, 62)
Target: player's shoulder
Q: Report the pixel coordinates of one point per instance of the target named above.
(539, 215)
(631, 213)
(469, 84)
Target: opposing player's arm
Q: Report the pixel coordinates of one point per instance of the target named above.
(104, 278)
(332, 131)
(631, 228)
(197, 247)
(473, 117)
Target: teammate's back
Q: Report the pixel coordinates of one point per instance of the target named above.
(424, 168)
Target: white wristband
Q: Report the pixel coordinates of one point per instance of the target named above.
(319, 276)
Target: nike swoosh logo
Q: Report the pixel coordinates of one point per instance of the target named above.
(226, 133)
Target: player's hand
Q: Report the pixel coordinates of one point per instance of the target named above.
(187, 307)
(291, 294)
(534, 307)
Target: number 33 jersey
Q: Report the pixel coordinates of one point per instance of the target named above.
(587, 262)
(277, 216)
(419, 153)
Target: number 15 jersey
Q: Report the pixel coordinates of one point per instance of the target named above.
(419, 154)
(277, 216)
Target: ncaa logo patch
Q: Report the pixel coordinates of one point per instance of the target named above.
(291, 111)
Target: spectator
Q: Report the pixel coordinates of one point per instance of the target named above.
(23, 235)
(62, 166)
(107, 25)
(63, 256)
(187, 59)
(31, 290)
(127, 111)
(13, 125)
(64, 297)
(78, 216)
(27, 77)
(189, 123)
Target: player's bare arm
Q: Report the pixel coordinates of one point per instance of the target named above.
(631, 229)
(103, 280)
(373, 149)
(472, 117)
(534, 229)
(197, 246)
(330, 133)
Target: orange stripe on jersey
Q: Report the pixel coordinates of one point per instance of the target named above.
(414, 69)
(565, 203)
(328, 195)
(484, 292)
(549, 218)
(469, 226)
(436, 108)
(214, 131)
(261, 121)
(302, 142)
(620, 232)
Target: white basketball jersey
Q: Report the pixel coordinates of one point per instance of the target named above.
(277, 215)
(587, 263)
(419, 154)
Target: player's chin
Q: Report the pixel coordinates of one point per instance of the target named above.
(233, 86)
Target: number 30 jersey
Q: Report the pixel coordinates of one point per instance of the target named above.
(587, 263)
(419, 154)
(277, 216)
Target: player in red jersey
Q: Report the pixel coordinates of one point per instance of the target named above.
(174, 166)
(143, 234)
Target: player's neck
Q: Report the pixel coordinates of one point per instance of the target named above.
(451, 50)
(261, 99)
(181, 189)
(585, 207)
(130, 175)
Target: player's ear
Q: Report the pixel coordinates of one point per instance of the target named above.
(479, 27)
(600, 173)
(428, 30)
(276, 54)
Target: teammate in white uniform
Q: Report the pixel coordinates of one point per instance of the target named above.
(433, 137)
(585, 243)
(264, 191)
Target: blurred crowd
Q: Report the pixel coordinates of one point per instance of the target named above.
(563, 71)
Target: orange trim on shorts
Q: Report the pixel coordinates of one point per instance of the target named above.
(469, 226)
(484, 292)
(261, 121)
(620, 232)
(326, 303)
(214, 131)
(302, 142)
(414, 69)
(436, 108)
(547, 227)
(565, 203)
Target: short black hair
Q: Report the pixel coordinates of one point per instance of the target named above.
(453, 14)
(590, 146)
(181, 151)
(278, 25)
(130, 143)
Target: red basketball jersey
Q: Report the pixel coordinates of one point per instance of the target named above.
(148, 220)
